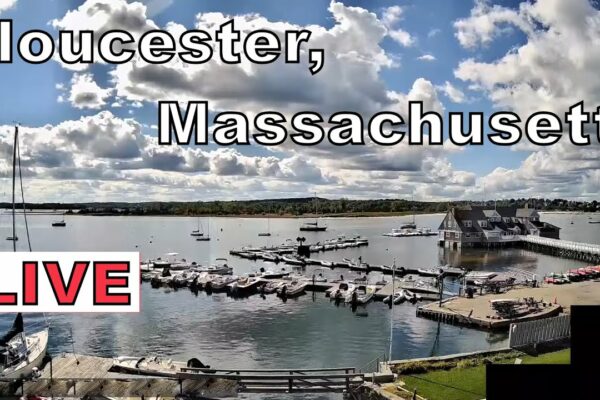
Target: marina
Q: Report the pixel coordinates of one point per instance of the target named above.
(368, 323)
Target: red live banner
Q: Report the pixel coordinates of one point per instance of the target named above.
(70, 282)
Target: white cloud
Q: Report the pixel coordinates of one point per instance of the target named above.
(85, 92)
(556, 67)
(452, 92)
(156, 7)
(104, 156)
(7, 5)
(390, 18)
(427, 57)
(486, 22)
(434, 32)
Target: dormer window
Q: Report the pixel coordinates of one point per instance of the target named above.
(468, 223)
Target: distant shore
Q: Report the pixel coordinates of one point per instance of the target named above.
(281, 216)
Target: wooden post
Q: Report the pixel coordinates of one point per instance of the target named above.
(290, 382)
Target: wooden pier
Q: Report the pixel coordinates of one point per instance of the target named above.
(322, 380)
(562, 248)
(75, 375)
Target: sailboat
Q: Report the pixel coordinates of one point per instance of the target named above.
(60, 223)
(196, 232)
(268, 232)
(412, 224)
(314, 226)
(20, 353)
(202, 237)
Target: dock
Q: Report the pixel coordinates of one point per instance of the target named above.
(76, 375)
(476, 312)
(482, 318)
(562, 248)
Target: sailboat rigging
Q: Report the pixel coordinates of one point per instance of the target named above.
(197, 232)
(20, 353)
(202, 237)
(268, 232)
(314, 226)
(60, 223)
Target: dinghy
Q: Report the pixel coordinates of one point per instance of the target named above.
(153, 366)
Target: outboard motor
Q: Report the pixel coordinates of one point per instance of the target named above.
(283, 292)
(155, 282)
(354, 298)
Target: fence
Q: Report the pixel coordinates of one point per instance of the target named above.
(539, 331)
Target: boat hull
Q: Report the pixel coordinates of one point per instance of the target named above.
(37, 344)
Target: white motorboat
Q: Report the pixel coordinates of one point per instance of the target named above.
(269, 274)
(435, 272)
(245, 286)
(288, 259)
(153, 366)
(220, 268)
(480, 276)
(398, 298)
(362, 295)
(271, 287)
(293, 289)
(268, 256)
(22, 352)
(219, 283)
(339, 291)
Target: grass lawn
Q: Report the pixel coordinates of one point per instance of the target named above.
(468, 383)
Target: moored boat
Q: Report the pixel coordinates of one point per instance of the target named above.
(292, 289)
(22, 352)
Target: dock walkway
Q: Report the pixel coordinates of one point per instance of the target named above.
(74, 375)
(563, 248)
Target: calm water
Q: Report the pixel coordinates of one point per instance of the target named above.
(257, 333)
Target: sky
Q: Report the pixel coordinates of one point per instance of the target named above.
(88, 132)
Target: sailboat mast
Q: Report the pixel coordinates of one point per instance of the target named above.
(316, 208)
(413, 208)
(14, 178)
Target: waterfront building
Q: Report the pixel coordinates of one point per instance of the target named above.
(478, 226)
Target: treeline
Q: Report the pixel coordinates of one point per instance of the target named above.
(298, 207)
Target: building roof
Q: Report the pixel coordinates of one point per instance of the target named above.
(526, 212)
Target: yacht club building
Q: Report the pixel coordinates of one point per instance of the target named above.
(478, 226)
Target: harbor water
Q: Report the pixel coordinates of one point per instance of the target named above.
(308, 332)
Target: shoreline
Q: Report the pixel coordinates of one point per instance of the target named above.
(249, 216)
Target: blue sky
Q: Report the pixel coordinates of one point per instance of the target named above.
(31, 94)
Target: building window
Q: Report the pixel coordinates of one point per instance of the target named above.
(483, 224)
(456, 235)
(468, 223)
(467, 234)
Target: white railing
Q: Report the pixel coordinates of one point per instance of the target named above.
(540, 331)
(562, 244)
